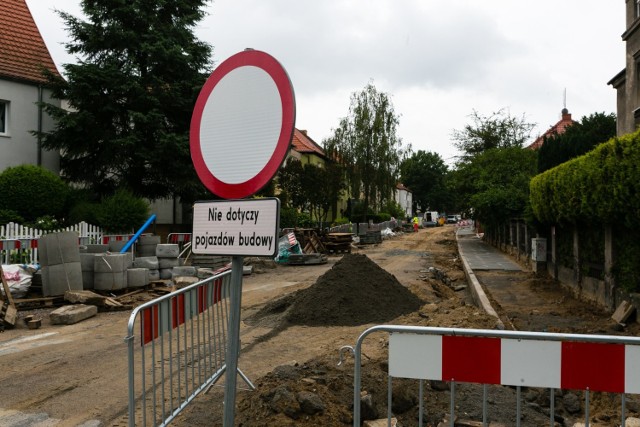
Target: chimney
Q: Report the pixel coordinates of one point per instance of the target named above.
(566, 116)
(304, 131)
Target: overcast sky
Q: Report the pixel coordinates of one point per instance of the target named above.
(438, 59)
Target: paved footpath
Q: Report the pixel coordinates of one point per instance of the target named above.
(478, 257)
(481, 255)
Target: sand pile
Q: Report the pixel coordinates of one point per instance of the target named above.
(355, 291)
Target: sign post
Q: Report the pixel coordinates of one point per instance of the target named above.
(241, 131)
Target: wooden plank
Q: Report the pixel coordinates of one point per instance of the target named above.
(7, 291)
(11, 315)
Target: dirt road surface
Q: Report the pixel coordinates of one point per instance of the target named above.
(77, 375)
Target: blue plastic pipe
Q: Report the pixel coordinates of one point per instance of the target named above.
(126, 247)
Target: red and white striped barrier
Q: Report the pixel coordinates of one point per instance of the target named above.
(170, 313)
(179, 238)
(116, 237)
(594, 366)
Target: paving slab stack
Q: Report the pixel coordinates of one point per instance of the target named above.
(150, 263)
(110, 271)
(146, 245)
(167, 259)
(59, 256)
(115, 246)
(87, 261)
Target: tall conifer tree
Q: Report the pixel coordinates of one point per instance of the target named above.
(139, 70)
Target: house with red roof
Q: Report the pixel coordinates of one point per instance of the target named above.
(23, 56)
(306, 149)
(557, 129)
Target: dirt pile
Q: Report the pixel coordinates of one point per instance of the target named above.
(355, 291)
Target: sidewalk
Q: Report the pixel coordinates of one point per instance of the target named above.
(476, 255)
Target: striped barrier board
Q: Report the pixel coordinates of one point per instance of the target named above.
(173, 312)
(179, 238)
(516, 362)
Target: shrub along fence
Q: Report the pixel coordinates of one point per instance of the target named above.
(588, 210)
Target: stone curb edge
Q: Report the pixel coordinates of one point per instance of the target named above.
(478, 294)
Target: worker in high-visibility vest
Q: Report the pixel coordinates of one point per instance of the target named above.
(415, 224)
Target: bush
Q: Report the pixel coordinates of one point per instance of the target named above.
(122, 212)
(32, 192)
(7, 216)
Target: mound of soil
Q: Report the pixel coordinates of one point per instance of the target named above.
(355, 291)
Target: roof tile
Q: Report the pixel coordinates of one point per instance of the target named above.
(23, 52)
(302, 143)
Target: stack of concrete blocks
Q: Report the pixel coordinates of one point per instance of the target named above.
(167, 259)
(146, 245)
(59, 256)
(149, 263)
(110, 271)
(87, 260)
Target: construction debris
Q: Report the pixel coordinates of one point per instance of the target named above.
(70, 314)
(623, 312)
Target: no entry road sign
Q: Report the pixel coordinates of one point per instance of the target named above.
(242, 124)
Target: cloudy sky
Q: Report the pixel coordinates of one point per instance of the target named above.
(438, 59)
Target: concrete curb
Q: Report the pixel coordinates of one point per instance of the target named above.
(478, 294)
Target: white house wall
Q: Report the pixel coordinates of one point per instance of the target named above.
(19, 146)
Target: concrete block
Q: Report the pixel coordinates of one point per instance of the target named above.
(150, 262)
(128, 259)
(110, 281)
(87, 280)
(108, 263)
(623, 312)
(86, 261)
(186, 270)
(167, 262)
(165, 274)
(149, 239)
(167, 250)
(70, 314)
(58, 248)
(137, 277)
(97, 248)
(154, 275)
(145, 250)
(56, 279)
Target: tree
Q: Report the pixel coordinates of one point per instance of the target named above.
(367, 146)
(139, 71)
(577, 139)
(311, 188)
(498, 130)
(495, 184)
(425, 175)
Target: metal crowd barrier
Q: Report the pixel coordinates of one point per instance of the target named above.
(181, 349)
(591, 363)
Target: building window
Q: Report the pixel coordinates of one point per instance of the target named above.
(637, 9)
(4, 117)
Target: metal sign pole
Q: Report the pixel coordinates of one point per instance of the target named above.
(233, 344)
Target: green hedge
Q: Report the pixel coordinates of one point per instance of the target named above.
(602, 186)
(32, 192)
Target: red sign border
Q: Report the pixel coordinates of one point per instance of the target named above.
(280, 77)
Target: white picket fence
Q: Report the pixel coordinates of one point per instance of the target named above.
(87, 232)
(19, 243)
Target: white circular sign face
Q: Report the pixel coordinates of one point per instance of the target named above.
(242, 124)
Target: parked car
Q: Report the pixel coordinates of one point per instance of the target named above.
(452, 219)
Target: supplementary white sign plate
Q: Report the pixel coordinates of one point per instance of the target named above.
(236, 227)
